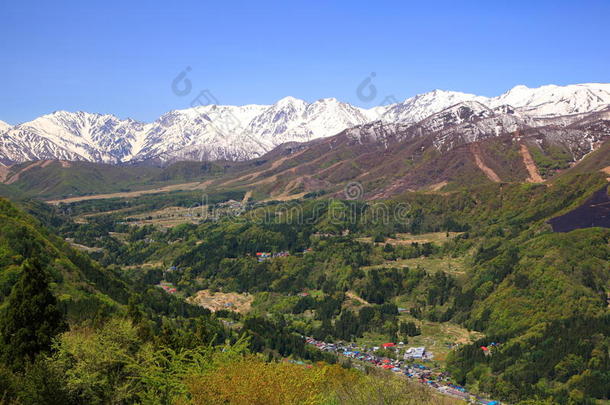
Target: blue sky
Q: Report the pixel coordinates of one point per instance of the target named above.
(121, 57)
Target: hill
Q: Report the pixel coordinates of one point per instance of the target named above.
(83, 286)
(63, 179)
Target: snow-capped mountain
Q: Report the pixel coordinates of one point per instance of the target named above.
(545, 101)
(215, 132)
(201, 133)
(465, 122)
(70, 136)
(417, 108)
(291, 119)
(4, 126)
(471, 121)
(554, 100)
(239, 133)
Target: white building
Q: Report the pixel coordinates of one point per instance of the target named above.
(415, 353)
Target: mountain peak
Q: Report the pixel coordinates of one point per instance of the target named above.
(4, 126)
(289, 100)
(327, 100)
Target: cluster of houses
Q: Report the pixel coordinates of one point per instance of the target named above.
(232, 204)
(171, 269)
(262, 256)
(488, 350)
(167, 287)
(412, 353)
(437, 380)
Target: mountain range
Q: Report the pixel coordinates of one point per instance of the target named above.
(236, 133)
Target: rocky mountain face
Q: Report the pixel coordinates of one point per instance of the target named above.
(215, 132)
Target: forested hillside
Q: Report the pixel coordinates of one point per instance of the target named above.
(72, 331)
(481, 262)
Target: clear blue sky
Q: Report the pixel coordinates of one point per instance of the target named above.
(121, 57)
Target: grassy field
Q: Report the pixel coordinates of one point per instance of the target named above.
(407, 238)
(455, 266)
(436, 337)
(170, 216)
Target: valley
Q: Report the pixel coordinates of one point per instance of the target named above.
(305, 203)
(445, 277)
(476, 234)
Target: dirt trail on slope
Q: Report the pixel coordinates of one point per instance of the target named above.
(3, 172)
(274, 165)
(476, 152)
(438, 186)
(530, 165)
(352, 295)
(246, 197)
(15, 177)
(5, 178)
(251, 176)
(607, 171)
(130, 194)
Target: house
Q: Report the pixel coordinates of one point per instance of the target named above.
(262, 256)
(167, 287)
(388, 345)
(266, 255)
(415, 353)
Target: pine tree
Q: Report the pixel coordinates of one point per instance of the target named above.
(30, 319)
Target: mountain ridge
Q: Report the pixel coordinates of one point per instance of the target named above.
(217, 132)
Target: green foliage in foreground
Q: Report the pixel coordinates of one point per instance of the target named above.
(113, 364)
(30, 319)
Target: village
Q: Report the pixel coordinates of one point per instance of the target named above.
(416, 363)
(410, 366)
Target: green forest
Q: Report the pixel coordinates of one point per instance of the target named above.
(84, 319)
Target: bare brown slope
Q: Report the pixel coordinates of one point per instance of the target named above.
(475, 148)
(3, 172)
(532, 169)
(13, 175)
